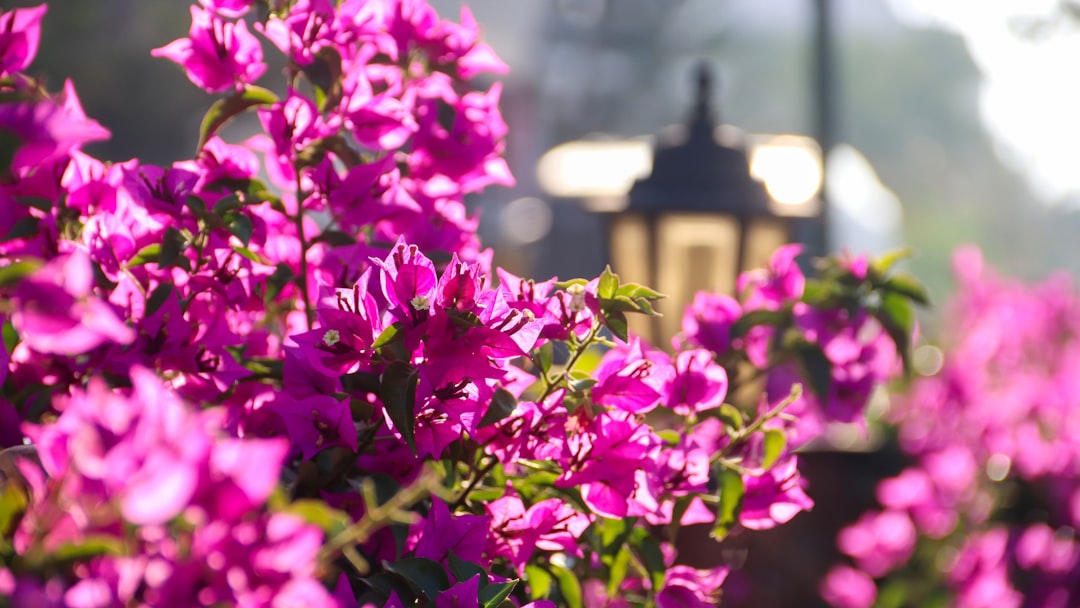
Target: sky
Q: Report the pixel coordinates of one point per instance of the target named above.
(1030, 94)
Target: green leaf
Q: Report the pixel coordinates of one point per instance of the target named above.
(569, 282)
(227, 203)
(539, 582)
(282, 276)
(886, 261)
(653, 557)
(731, 417)
(388, 582)
(670, 436)
(907, 285)
(27, 226)
(147, 254)
(613, 534)
(545, 356)
(223, 110)
(251, 255)
(157, 298)
(732, 490)
(11, 337)
(37, 202)
(817, 369)
(318, 513)
(398, 392)
(425, 576)
(897, 315)
(15, 272)
(502, 405)
(172, 250)
(634, 291)
(608, 284)
(493, 595)
(754, 318)
(465, 570)
(616, 322)
(773, 447)
(617, 571)
(12, 504)
(820, 293)
(569, 586)
(241, 226)
(91, 546)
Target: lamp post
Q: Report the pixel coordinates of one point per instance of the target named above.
(696, 222)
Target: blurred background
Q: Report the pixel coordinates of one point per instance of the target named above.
(943, 122)
(951, 121)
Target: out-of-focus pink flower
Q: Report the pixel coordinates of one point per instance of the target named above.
(879, 542)
(218, 55)
(846, 587)
(708, 320)
(56, 313)
(48, 130)
(20, 33)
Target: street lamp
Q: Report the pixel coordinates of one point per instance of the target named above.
(700, 218)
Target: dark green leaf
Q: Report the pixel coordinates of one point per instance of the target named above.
(772, 447)
(172, 250)
(817, 369)
(732, 490)
(240, 225)
(158, 297)
(502, 405)
(223, 110)
(11, 337)
(228, 203)
(27, 226)
(398, 392)
(616, 322)
(653, 557)
(426, 576)
(15, 272)
(465, 570)
(820, 293)
(754, 318)
(282, 276)
(388, 582)
(493, 595)
(335, 238)
(41, 204)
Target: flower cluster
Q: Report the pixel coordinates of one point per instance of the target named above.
(994, 442)
(285, 365)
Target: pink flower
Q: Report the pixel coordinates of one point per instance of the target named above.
(55, 311)
(20, 32)
(707, 321)
(846, 587)
(218, 55)
(879, 542)
(699, 384)
(48, 130)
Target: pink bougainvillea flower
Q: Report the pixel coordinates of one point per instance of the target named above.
(20, 32)
(845, 587)
(699, 383)
(708, 320)
(219, 55)
(55, 311)
(444, 532)
(48, 130)
(228, 8)
(774, 497)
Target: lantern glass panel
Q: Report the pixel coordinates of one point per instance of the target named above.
(694, 252)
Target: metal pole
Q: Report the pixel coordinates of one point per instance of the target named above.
(824, 117)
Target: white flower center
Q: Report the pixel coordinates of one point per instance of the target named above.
(420, 303)
(331, 337)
